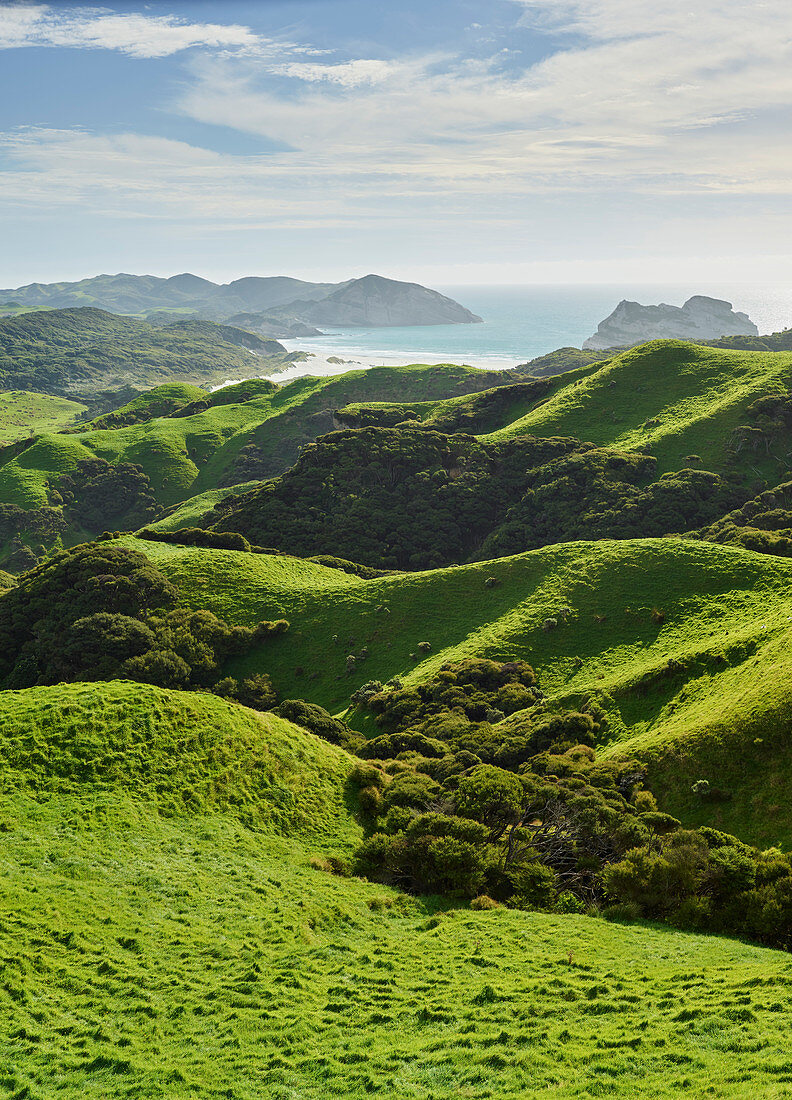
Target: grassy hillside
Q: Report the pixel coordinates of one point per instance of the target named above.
(257, 435)
(81, 351)
(681, 435)
(680, 401)
(182, 954)
(159, 401)
(678, 398)
(684, 646)
(196, 510)
(177, 751)
(24, 414)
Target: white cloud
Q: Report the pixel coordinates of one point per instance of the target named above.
(350, 74)
(662, 103)
(659, 105)
(100, 28)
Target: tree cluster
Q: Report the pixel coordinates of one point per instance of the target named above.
(102, 612)
(453, 810)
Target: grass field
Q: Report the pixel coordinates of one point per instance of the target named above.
(696, 395)
(24, 414)
(726, 622)
(150, 951)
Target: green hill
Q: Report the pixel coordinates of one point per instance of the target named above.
(210, 442)
(175, 750)
(677, 400)
(161, 401)
(163, 933)
(24, 414)
(682, 645)
(680, 435)
(81, 351)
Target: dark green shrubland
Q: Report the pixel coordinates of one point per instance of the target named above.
(524, 813)
(415, 499)
(104, 612)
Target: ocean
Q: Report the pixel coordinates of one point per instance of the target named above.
(520, 323)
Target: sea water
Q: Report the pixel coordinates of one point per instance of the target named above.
(519, 324)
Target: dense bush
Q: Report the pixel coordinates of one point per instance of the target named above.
(522, 812)
(708, 880)
(319, 721)
(102, 612)
(410, 498)
(197, 536)
(97, 495)
(763, 524)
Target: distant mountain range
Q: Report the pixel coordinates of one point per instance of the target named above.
(274, 306)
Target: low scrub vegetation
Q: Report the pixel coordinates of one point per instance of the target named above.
(467, 802)
(103, 612)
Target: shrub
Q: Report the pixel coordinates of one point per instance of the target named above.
(370, 800)
(316, 719)
(410, 789)
(625, 911)
(367, 775)
(532, 885)
(483, 902)
(490, 795)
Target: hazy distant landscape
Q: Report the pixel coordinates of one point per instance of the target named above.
(395, 551)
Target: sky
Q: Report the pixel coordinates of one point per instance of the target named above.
(442, 141)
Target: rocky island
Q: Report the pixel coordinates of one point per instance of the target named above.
(700, 318)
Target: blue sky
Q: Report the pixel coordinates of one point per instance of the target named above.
(448, 142)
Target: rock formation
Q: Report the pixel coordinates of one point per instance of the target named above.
(700, 318)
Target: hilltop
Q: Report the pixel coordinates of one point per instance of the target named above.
(376, 302)
(666, 438)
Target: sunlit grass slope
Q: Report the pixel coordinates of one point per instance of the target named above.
(23, 414)
(159, 401)
(680, 398)
(183, 954)
(192, 511)
(185, 456)
(176, 751)
(684, 646)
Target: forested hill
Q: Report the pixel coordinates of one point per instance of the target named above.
(85, 350)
